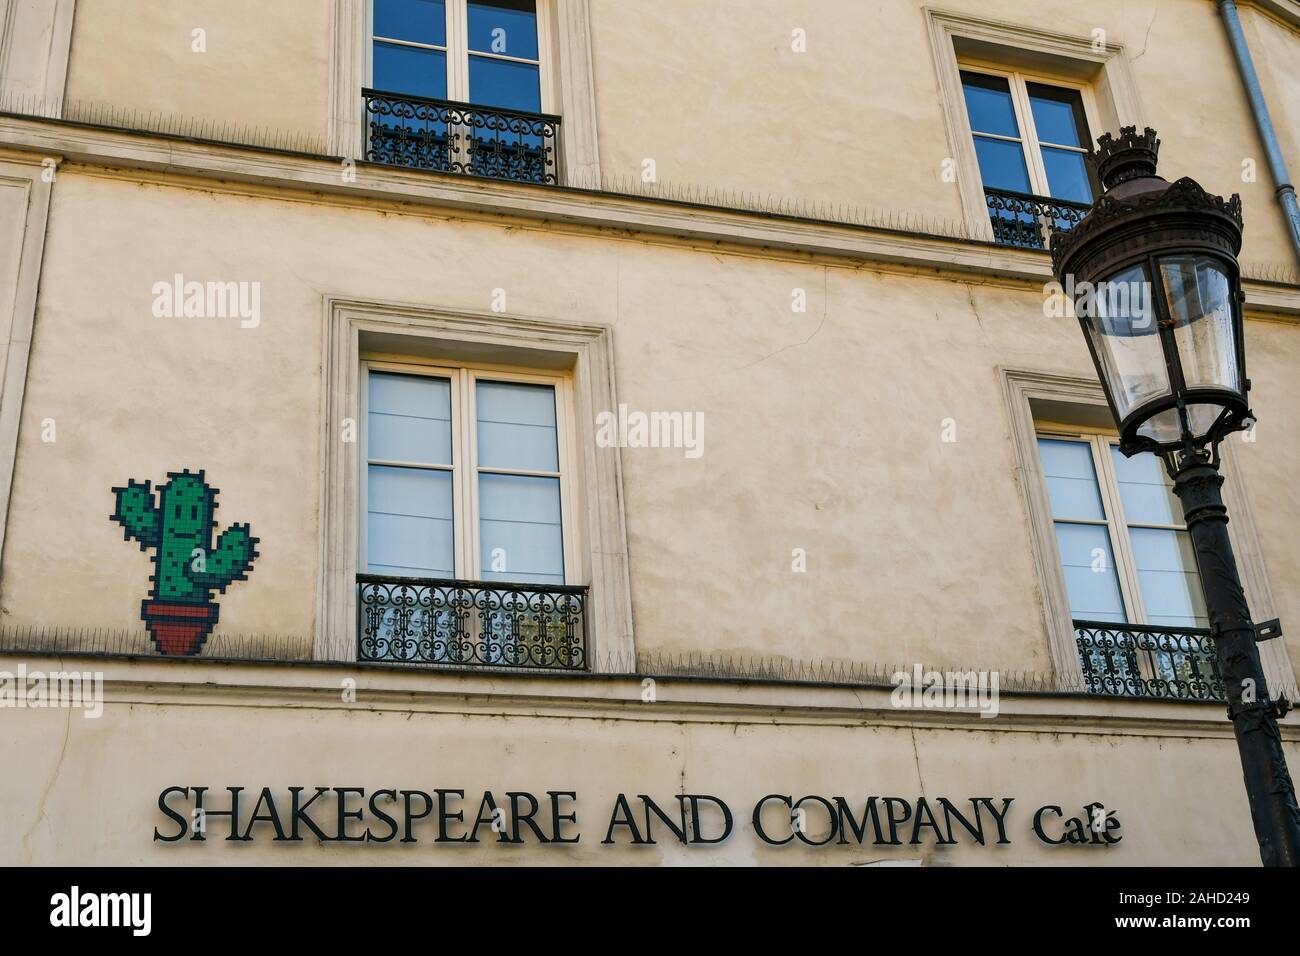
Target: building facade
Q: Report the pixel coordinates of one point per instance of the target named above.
(529, 427)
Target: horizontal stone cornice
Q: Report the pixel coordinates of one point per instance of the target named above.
(134, 682)
(326, 178)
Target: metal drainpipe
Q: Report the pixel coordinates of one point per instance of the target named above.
(1246, 67)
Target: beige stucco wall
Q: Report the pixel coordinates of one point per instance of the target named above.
(824, 429)
(876, 364)
(89, 788)
(855, 121)
(823, 432)
(264, 70)
(1273, 355)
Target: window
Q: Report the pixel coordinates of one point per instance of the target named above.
(458, 86)
(1030, 141)
(403, 69)
(1127, 559)
(484, 52)
(1051, 412)
(497, 620)
(463, 475)
(1126, 554)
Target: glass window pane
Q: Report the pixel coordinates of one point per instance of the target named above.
(1171, 586)
(504, 84)
(1002, 164)
(1090, 577)
(1145, 489)
(1071, 479)
(409, 522)
(1058, 115)
(419, 21)
(519, 527)
(1067, 175)
(410, 70)
(408, 418)
(508, 27)
(988, 104)
(516, 426)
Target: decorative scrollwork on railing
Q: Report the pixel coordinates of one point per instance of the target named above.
(1133, 660)
(430, 621)
(453, 137)
(1020, 219)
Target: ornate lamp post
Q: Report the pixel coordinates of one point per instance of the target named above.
(1153, 273)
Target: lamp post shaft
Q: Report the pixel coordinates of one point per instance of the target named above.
(1273, 808)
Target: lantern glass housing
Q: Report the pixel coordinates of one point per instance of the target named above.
(1158, 297)
(1122, 329)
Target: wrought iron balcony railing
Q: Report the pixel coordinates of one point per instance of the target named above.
(1134, 660)
(453, 137)
(1020, 219)
(431, 621)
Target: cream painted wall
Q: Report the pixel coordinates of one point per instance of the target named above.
(89, 790)
(265, 68)
(857, 118)
(714, 94)
(823, 429)
(823, 432)
(1272, 356)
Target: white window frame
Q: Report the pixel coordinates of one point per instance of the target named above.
(1030, 144)
(458, 52)
(464, 467)
(1116, 521)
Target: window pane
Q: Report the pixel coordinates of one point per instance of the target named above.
(1067, 175)
(504, 26)
(988, 104)
(1058, 115)
(410, 70)
(516, 426)
(409, 528)
(419, 21)
(1002, 164)
(1171, 587)
(1146, 490)
(408, 418)
(504, 84)
(1090, 578)
(1071, 479)
(519, 526)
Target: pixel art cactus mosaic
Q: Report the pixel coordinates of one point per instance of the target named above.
(178, 524)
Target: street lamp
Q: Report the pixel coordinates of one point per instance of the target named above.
(1152, 270)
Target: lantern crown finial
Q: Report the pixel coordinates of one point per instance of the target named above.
(1131, 155)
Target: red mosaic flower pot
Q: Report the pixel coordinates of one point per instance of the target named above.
(179, 630)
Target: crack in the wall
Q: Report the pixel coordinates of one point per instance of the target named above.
(970, 298)
(1146, 40)
(49, 788)
(795, 345)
